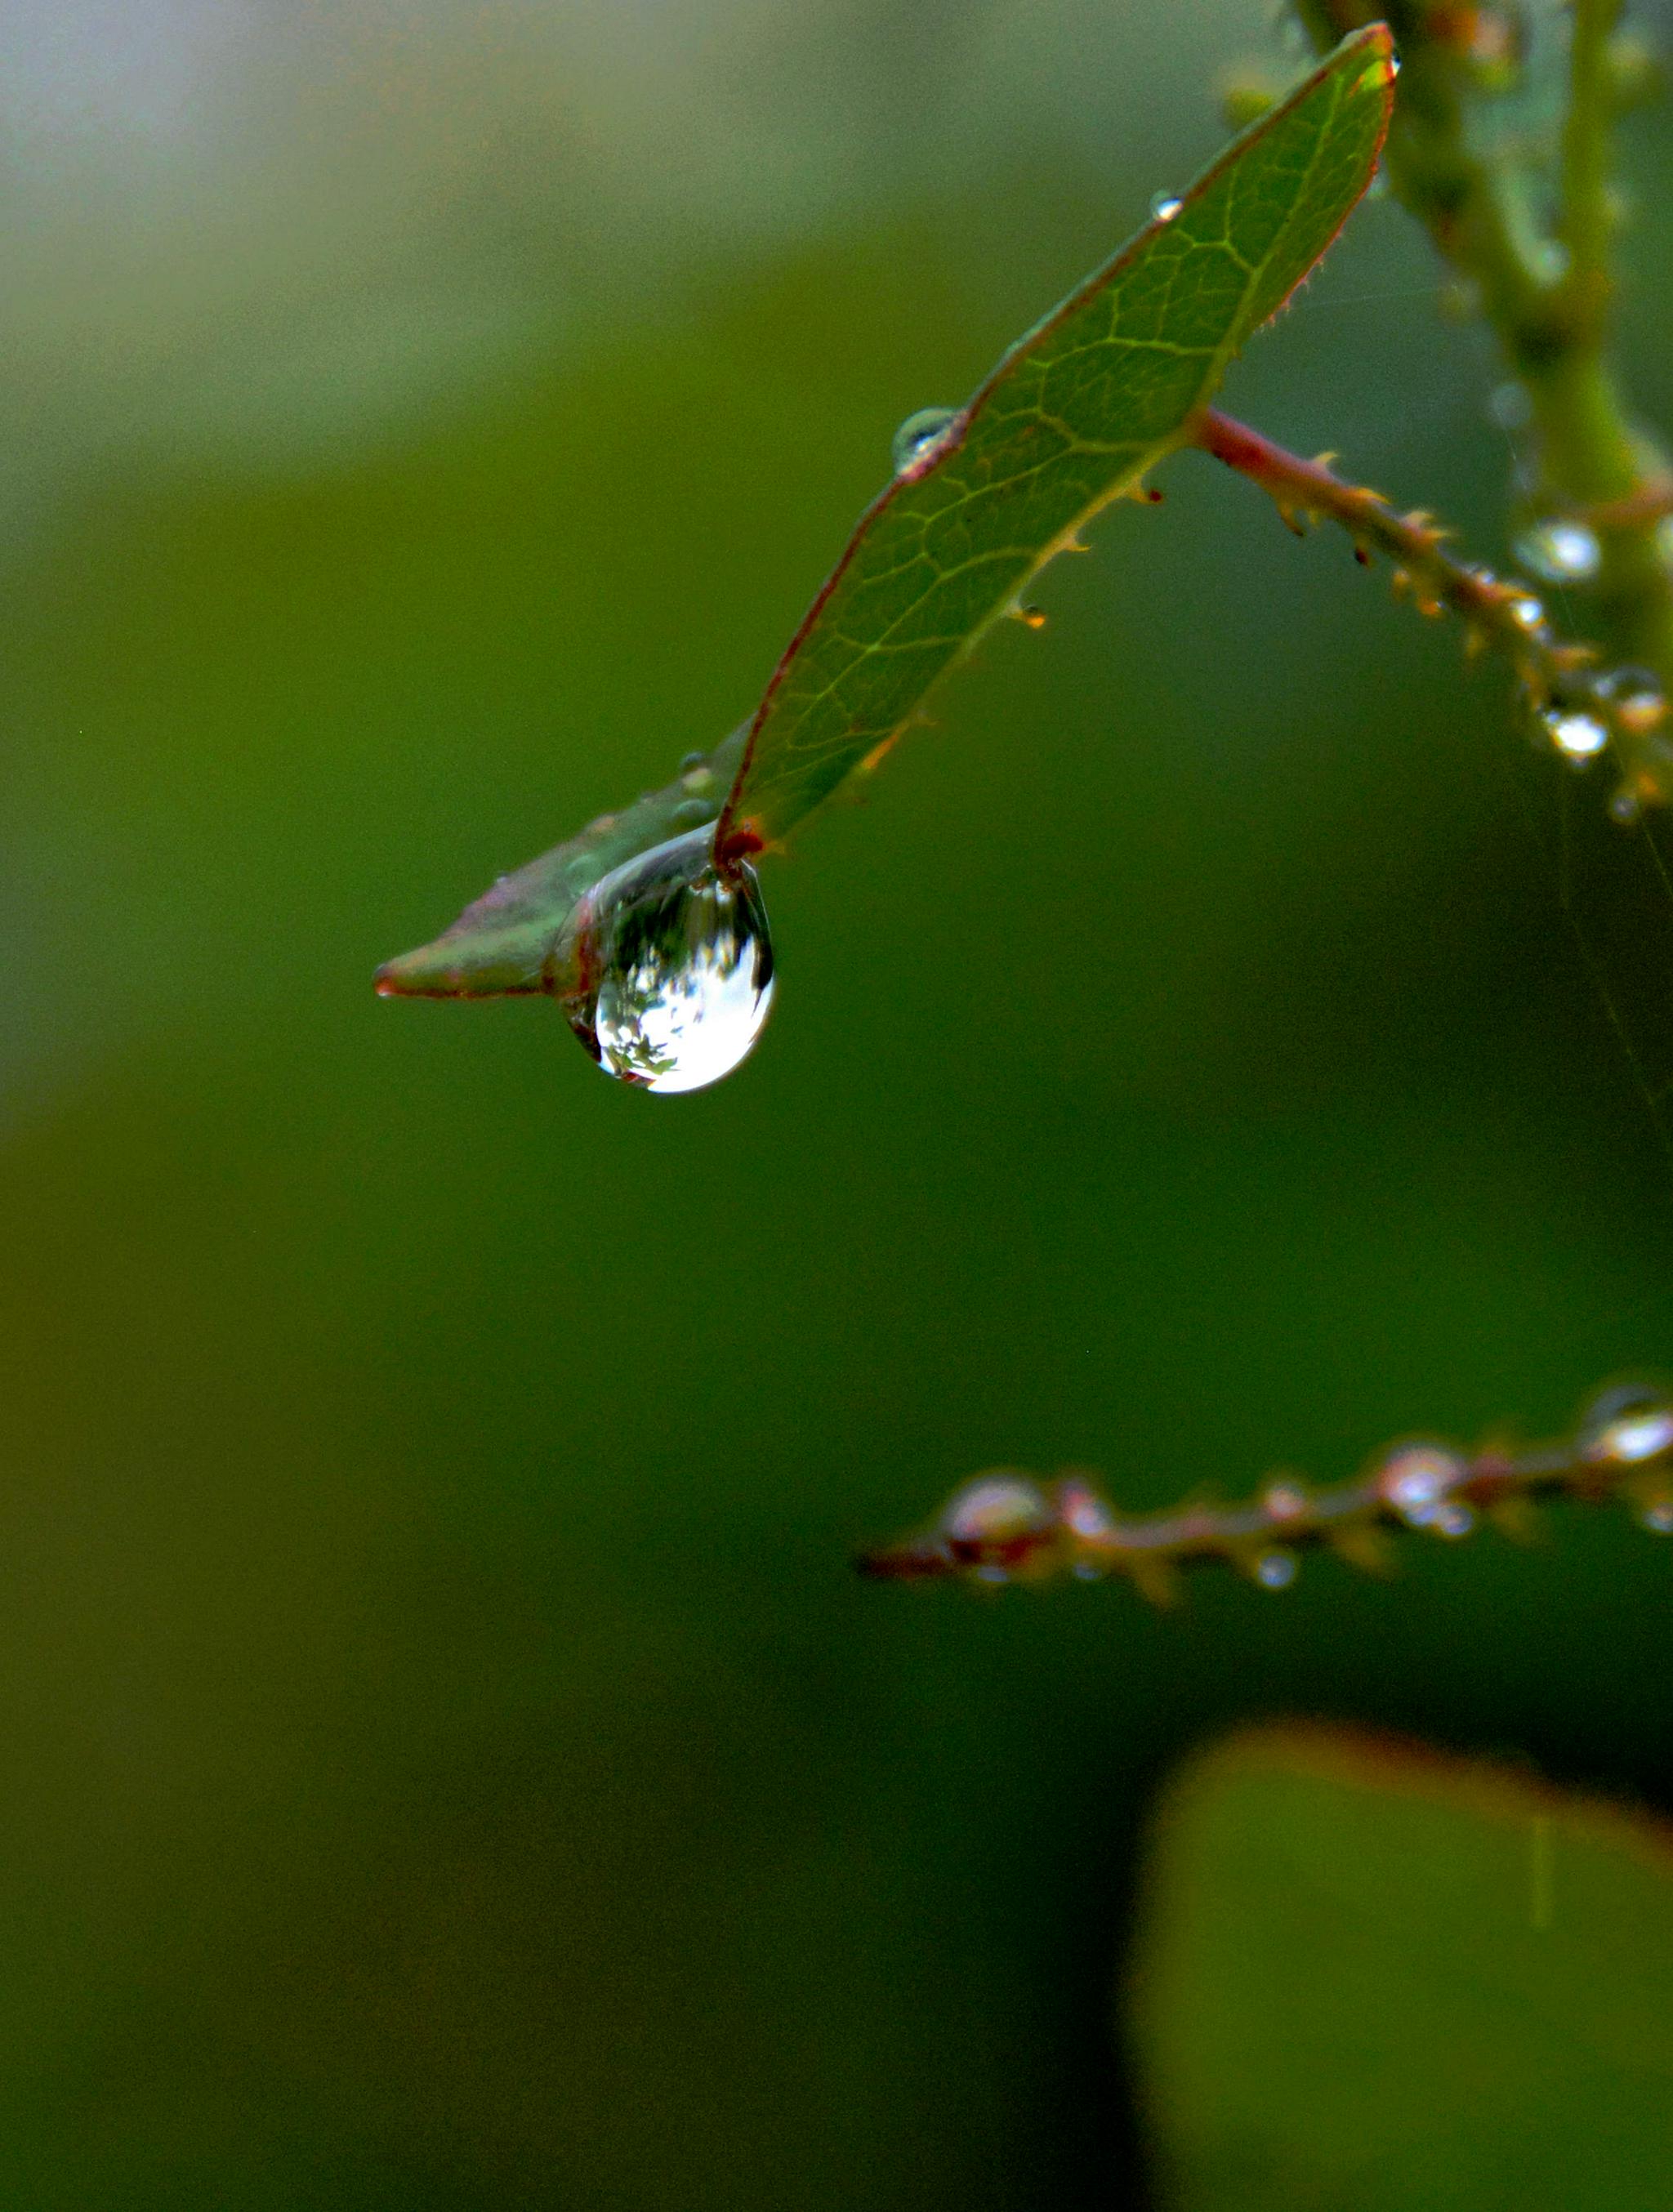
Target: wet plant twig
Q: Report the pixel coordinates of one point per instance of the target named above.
(1526, 219)
(1004, 1525)
(1582, 709)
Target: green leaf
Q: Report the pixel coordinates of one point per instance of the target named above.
(1373, 1977)
(1071, 418)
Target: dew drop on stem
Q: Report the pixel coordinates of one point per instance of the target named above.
(1560, 551)
(1414, 1479)
(675, 966)
(996, 1508)
(1578, 738)
(1627, 1425)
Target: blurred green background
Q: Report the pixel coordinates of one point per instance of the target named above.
(448, 1761)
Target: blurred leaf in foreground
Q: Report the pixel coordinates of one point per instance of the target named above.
(1071, 419)
(1372, 1977)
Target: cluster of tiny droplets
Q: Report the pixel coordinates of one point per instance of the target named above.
(1005, 1525)
(1580, 719)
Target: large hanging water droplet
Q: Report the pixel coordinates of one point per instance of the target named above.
(922, 436)
(676, 967)
(1561, 552)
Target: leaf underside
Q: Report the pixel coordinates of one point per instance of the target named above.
(1072, 417)
(1371, 1975)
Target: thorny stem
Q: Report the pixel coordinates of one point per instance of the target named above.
(1577, 707)
(1007, 1527)
(1458, 158)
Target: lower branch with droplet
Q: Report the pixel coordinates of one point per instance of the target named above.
(1583, 710)
(1004, 1525)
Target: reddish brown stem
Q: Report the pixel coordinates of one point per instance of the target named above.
(1005, 1526)
(1561, 686)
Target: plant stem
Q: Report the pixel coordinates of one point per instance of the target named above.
(1572, 699)
(1473, 185)
(1005, 1526)
(1586, 199)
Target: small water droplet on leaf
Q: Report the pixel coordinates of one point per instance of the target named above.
(1276, 1570)
(922, 436)
(676, 968)
(1164, 206)
(1657, 1517)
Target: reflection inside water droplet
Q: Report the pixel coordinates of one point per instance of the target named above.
(1561, 552)
(676, 968)
(922, 436)
(1165, 205)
